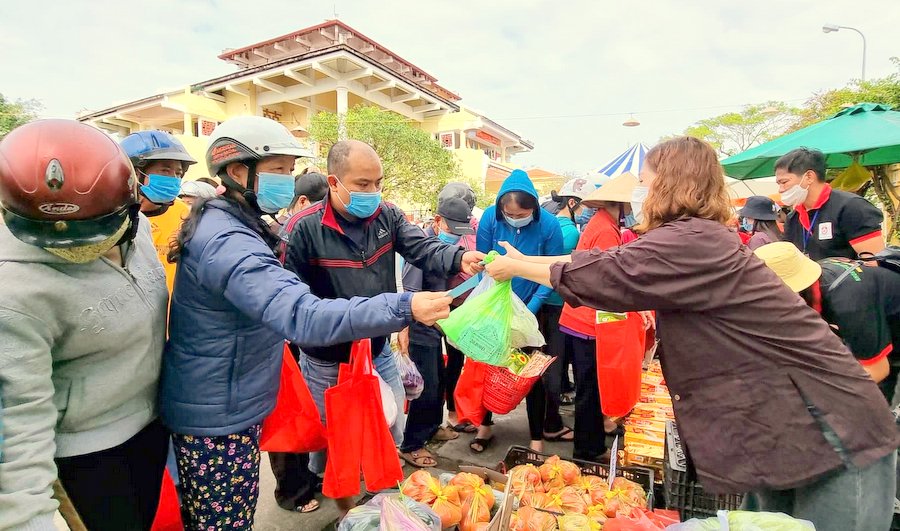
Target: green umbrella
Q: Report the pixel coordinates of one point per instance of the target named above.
(868, 130)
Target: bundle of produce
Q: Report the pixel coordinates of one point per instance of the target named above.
(573, 501)
(556, 473)
(422, 487)
(628, 493)
(594, 487)
(469, 484)
(525, 479)
(597, 513)
(577, 522)
(444, 501)
(448, 506)
(531, 519)
(476, 509)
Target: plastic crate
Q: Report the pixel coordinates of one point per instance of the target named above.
(687, 497)
(520, 455)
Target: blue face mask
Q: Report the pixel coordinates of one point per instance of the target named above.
(362, 204)
(630, 221)
(585, 215)
(446, 237)
(518, 223)
(746, 225)
(274, 192)
(161, 189)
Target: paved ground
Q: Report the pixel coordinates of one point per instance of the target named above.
(509, 430)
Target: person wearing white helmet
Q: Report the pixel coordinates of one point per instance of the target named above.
(232, 308)
(192, 191)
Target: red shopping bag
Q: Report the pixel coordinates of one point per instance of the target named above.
(469, 393)
(620, 356)
(359, 438)
(168, 512)
(294, 425)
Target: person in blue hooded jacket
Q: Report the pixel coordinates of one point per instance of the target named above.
(232, 308)
(517, 218)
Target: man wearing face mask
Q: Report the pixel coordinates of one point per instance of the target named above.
(82, 327)
(423, 343)
(825, 223)
(345, 246)
(160, 162)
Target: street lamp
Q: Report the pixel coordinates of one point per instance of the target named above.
(829, 28)
(631, 122)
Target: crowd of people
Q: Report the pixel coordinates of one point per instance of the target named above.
(143, 318)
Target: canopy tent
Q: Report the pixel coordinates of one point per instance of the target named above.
(868, 131)
(629, 161)
(740, 190)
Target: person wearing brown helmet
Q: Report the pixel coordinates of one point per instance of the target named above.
(82, 327)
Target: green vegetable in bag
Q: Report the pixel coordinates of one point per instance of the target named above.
(480, 328)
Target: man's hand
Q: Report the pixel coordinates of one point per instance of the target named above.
(502, 268)
(471, 262)
(429, 307)
(511, 251)
(403, 341)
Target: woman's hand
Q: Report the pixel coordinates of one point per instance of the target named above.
(512, 252)
(503, 268)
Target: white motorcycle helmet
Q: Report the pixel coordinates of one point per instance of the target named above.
(247, 139)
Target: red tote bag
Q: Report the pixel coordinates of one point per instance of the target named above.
(168, 512)
(469, 393)
(359, 438)
(620, 356)
(294, 426)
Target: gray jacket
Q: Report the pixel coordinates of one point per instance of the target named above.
(80, 352)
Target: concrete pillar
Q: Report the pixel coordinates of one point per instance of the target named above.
(342, 104)
(188, 125)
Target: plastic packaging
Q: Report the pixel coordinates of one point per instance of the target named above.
(413, 383)
(403, 514)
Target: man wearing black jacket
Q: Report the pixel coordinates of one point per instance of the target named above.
(344, 247)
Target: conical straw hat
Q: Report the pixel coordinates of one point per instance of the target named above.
(617, 190)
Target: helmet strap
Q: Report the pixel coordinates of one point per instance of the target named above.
(246, 191)
(134, 212)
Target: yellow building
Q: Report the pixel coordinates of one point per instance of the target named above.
(329, 67)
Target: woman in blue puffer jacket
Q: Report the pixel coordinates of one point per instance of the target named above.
(233, 306)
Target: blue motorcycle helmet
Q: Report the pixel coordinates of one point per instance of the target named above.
(145, 147)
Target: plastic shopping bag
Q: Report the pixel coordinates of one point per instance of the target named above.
(413, 383)
(359, 438)
(620, 357)
(745, 521)
(491, 322)
(388, 404)
(168, 512)
(470, 392)
(294, 426)
(393, 512)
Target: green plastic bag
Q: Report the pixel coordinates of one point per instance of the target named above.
(480, 328)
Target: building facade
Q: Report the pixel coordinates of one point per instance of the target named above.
(330, 67)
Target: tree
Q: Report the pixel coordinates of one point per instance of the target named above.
(734, 132)
(15, 113)
(823, 105)
(415, 165)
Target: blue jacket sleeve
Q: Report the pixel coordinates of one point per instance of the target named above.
(238, 264)
(484, 238)
(553, 246)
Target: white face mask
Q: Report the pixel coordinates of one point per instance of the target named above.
(794, 195)
(638, 195)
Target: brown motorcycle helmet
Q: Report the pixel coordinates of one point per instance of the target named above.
(65, 184)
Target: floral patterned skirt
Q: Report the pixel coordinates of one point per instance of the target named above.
(219, 479)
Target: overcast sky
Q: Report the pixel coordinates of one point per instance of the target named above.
(564, 74)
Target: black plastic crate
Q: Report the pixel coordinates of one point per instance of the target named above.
(520, 455)
(687, 497)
